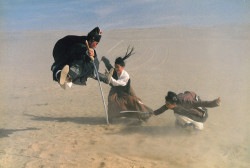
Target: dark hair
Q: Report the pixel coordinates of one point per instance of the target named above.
(120, 60)
(172, 97)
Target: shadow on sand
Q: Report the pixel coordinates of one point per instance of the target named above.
(155, 131)
(7, 132)
(77, 120)
(133, 126)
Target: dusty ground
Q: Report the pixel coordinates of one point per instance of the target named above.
(43, 125)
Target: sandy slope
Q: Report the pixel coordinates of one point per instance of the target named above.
(44, 126)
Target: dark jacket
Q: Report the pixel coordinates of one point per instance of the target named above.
(61, 51)
(71, 50)
(191, 106)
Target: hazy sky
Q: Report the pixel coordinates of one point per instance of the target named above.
(113, 14)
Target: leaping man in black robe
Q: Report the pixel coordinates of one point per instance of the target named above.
(74, 57)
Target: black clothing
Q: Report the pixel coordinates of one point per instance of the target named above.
(94, 34)
(62, 48)
(72, 50)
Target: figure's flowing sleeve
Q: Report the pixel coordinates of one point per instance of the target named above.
(160, 110)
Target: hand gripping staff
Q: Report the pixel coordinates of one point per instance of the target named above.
(97, 75)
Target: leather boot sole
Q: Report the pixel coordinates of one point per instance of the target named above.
(110, 74)
(64, 74)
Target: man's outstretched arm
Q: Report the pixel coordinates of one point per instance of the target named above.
(160, 110)
(213, 103)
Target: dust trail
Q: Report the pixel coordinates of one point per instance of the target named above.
(115, 46)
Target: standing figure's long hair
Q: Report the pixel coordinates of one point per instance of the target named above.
(120, 60)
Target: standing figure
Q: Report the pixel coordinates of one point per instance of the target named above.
(190, 111)
(121, 96)
(74, 59)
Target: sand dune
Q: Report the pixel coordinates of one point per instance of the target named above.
(43, 125)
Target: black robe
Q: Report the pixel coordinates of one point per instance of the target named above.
(71, 50)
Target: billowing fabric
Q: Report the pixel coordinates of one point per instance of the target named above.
(184, 121)
(71, 50)
(61, 50)
(123, 98)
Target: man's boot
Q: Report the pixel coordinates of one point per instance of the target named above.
(107, 77)
(62, 76)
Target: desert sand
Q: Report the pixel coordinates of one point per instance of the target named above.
(44, 126)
